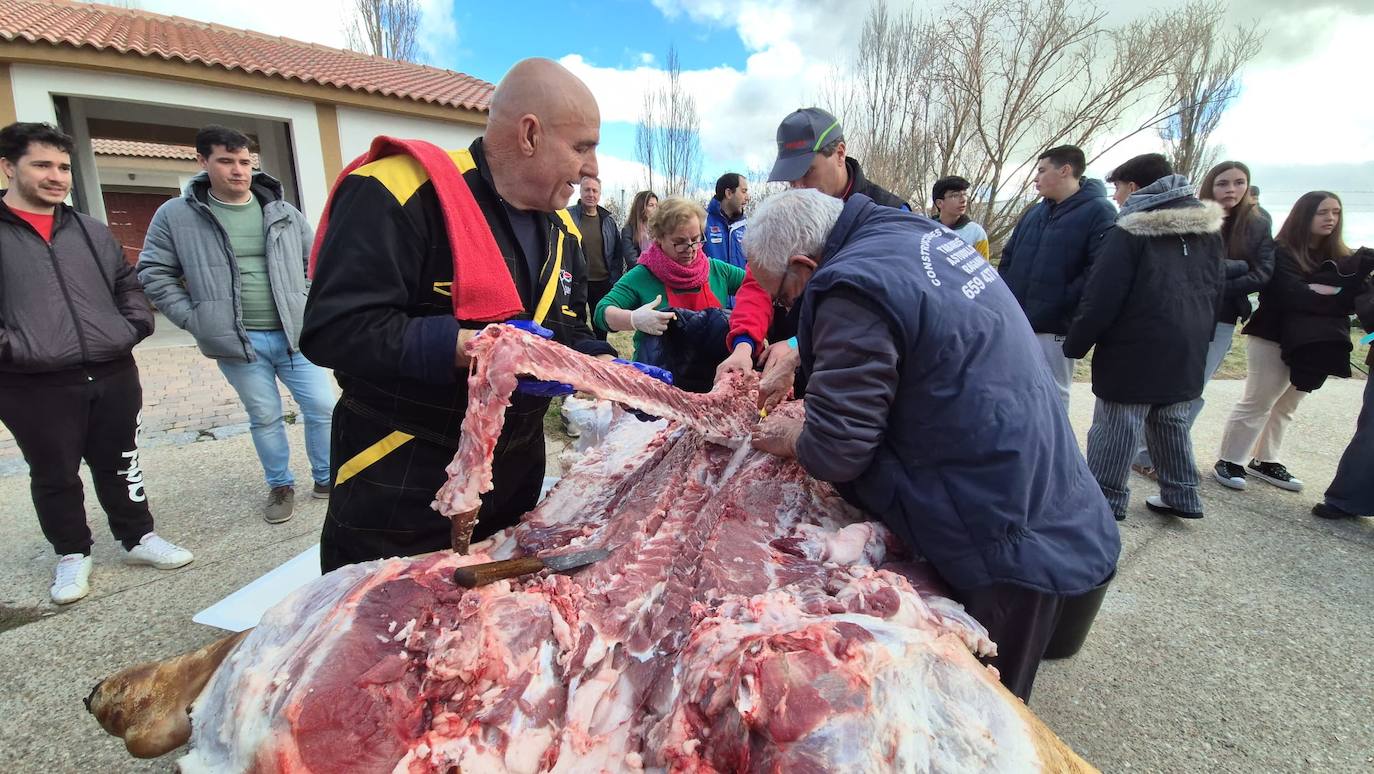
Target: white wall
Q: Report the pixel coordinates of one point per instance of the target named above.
(357, 127)
(118, 175)
(35, 86)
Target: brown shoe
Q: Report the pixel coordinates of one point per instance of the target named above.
(320, 491)
(1146, 471)
(281, 501)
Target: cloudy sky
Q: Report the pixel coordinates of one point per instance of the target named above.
(1304, 119)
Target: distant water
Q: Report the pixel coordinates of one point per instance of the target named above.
(1359, 214)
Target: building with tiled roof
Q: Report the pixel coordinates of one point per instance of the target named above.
(143, 83)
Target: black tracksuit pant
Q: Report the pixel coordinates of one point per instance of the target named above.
(384, 510)
(1021, 621)
(59, 419)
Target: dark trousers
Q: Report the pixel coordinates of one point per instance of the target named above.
(1352, 490)
(596, 290)
(384, 509)
(1021, 621)
(58, 420)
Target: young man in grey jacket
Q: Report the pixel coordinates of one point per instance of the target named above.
(227, 262)
(70, 315)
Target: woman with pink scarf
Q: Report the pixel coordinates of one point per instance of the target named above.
(673, 273)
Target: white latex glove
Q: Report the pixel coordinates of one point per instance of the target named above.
(647, 319)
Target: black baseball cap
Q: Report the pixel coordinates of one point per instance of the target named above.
(800, 136)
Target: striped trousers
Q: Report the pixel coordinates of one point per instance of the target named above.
(1114, 438)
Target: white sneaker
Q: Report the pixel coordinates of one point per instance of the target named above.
(72, 580)
(159, 553)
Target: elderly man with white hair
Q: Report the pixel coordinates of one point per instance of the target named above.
(929, 406)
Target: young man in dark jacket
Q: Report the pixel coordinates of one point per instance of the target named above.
(70, 315)
(987, 484)
(1150, 307)
(603, 249)
(1045, 261)
(811, 154)
(384, 313)
(226, 262)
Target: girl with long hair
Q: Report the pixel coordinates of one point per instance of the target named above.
(1299, 335)
(1247, 235)
(636, 234)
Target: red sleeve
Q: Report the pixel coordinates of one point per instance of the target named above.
(752, 315)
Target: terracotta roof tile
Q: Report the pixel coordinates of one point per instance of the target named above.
(139, 33)
(150, 150)
(147, 150)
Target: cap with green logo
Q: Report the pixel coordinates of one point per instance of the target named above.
(800, 136)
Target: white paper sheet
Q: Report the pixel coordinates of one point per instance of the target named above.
(244, 608)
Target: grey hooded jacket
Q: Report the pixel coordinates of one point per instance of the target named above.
(187, 267)
(69, 304)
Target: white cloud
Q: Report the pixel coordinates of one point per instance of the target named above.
(620, 177)
(438, 29)
(1311, 111)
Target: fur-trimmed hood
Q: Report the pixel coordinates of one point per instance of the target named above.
(1202, 218)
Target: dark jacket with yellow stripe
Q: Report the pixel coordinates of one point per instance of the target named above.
(380, 311)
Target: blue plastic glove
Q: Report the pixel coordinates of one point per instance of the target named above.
(661, 374)
(538, 387)
(530, 326)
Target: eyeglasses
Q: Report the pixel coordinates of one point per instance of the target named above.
(680, 246)
(778, 299)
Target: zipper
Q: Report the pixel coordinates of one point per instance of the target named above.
(1184, 240)
(62, 283)
(205, 212)
(71, 307)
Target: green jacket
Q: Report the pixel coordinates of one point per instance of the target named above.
(638, 286)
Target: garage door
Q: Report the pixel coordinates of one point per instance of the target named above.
(129, 214)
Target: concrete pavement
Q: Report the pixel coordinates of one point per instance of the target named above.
(1237, 643)
(185, 397)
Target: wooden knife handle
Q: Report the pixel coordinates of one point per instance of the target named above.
(474, 575)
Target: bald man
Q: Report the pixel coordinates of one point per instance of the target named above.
(381, 314)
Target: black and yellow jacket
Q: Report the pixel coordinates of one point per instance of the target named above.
(380, 311)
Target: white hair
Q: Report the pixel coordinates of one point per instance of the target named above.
(795, 222)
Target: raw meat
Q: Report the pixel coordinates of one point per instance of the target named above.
(747, 619)
(502, 353)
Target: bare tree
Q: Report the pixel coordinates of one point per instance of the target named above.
(886, 97)
(982, 91)
(385, 28)
(644, 136)
(1205, 82)
(668, 138)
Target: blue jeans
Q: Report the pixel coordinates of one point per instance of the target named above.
(1216, 352)
(256, 384)
(1353, 488)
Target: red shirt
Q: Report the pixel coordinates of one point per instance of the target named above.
(41, 223)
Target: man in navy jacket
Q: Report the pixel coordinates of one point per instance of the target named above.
(1045, 262)
(928, 407)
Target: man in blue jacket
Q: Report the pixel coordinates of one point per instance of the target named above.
(928, 407)
(725, 220)
(1045, 262)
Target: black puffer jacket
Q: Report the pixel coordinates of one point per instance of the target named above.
(1312, 329)
(1364, 310)
(73, 303)
(1244, 277)
(1149, 304)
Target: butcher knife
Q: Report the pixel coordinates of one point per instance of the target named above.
(475, 575)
